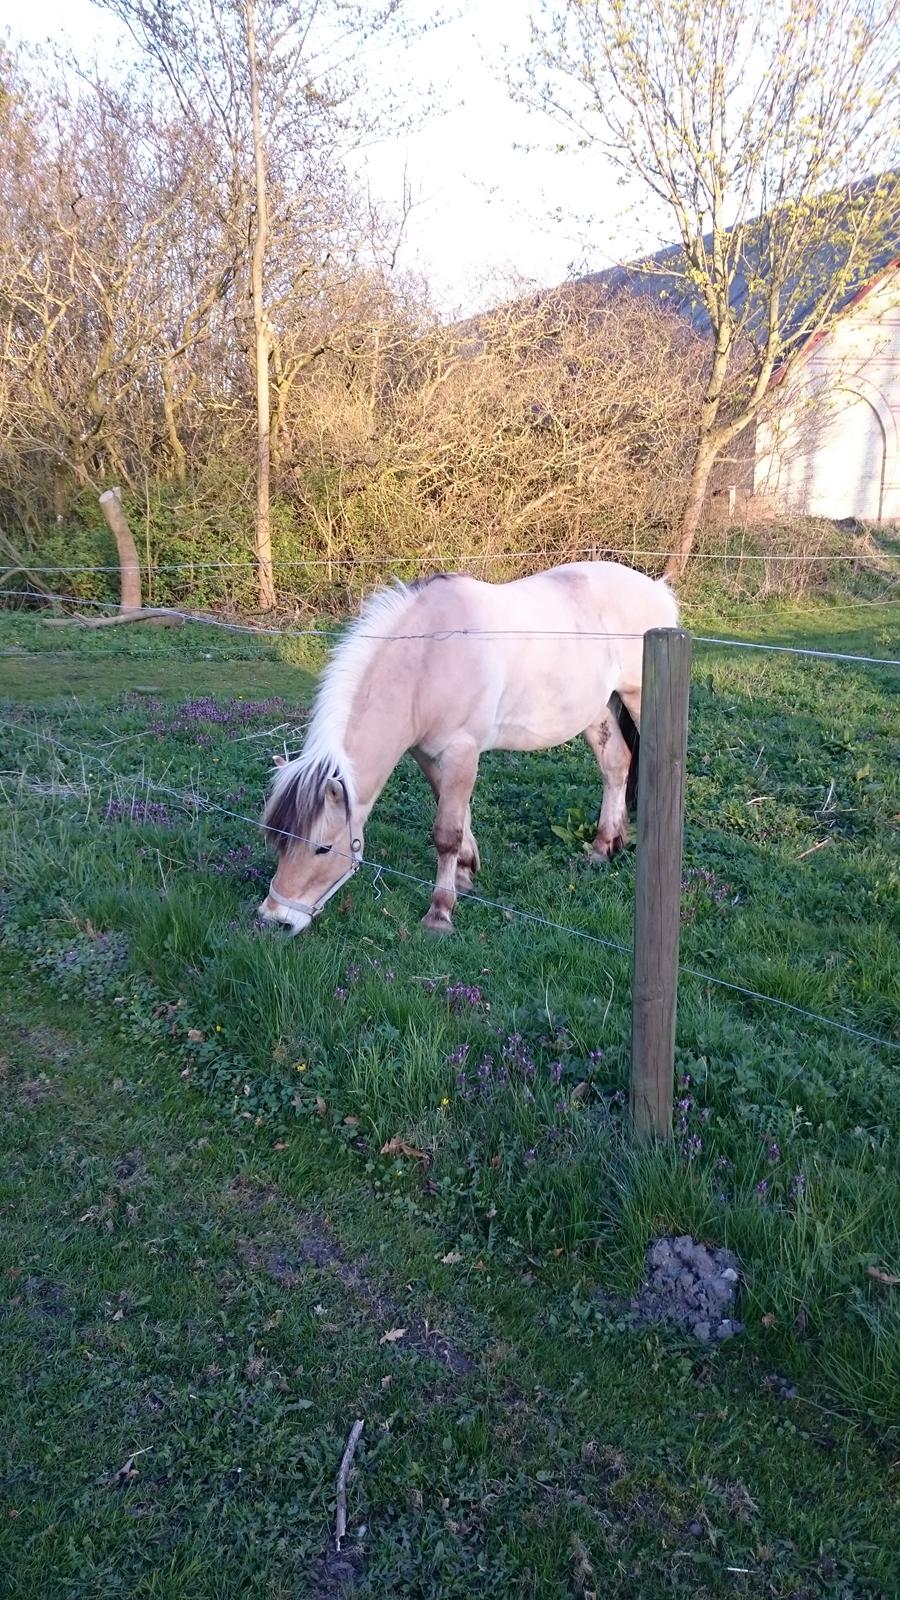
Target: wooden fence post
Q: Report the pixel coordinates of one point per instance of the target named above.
(657, 910)
(129, 565)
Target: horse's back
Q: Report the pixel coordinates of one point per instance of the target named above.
(590, 596)
(532, 662)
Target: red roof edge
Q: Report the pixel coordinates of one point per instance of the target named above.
(815, 339)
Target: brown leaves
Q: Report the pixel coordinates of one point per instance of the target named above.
(399, 1147)
(392, 1335)
(890, 1278)
(127, 1472)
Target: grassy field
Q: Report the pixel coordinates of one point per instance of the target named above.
(205, 1239)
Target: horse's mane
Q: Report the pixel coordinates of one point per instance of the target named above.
(297, 795)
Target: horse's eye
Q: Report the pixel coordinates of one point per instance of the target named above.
(322, 849)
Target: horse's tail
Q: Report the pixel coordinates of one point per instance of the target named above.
(668, 617)
(669, 602)
(629, 732)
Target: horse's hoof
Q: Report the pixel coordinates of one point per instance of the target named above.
(604, 850)
(438, 923)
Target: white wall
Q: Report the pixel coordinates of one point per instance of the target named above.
(830, 445)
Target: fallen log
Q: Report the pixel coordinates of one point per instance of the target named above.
(162, 618)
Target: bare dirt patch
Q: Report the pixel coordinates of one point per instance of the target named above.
(46, 1043)
(306, 1243)
(130, 1168)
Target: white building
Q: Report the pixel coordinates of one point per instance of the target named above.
(829, 442)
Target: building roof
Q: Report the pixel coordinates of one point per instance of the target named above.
(662, 275)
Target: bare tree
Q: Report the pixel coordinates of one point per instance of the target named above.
(759, 125)
(104, 312)
(261, 326)
(278, 86)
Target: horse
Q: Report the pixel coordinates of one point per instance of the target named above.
(444, 669)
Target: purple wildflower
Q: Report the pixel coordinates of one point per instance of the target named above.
(529, 1157)
(205, 711)
(137, 810)
(762, 1188)
(240, 860)
(464, 995)
(797, 1188)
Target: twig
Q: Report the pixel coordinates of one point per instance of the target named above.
(827, 802)
(813, 848)
(340, 1521)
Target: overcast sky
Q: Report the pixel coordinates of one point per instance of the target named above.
(485, 209)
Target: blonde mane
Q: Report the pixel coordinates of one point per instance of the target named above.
(296, 796)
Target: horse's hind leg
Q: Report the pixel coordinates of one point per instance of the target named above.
(458, 769)
(614, 759)
(469, 860)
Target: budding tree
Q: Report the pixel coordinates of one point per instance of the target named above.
(770, 130)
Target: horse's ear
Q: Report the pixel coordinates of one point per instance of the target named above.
(280, 761)
(334, 790)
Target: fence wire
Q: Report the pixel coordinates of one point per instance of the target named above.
(444, 634)
(379, 869)
(249, 564)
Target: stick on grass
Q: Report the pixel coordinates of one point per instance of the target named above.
(340, 1521)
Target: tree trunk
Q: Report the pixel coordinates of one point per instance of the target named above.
(179, 454)
(703, 463)
(263, 345)
(129, 566)
(60, 491)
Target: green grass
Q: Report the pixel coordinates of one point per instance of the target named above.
(144, 1013)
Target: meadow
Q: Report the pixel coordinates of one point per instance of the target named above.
(235, 1165)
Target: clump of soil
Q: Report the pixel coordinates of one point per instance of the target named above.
(691, 1285)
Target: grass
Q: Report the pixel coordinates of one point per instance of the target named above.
(259, 1079)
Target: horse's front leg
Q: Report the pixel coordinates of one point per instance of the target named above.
(457, 771)
(613, 759)
(468, 860)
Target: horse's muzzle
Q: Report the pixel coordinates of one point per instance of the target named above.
(295, 920)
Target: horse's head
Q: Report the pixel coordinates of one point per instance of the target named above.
(308, 820)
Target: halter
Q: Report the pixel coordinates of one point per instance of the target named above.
(312, 910)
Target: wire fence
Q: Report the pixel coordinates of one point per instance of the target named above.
(138, 785)
(332, 633)
(335, 632)
(473, 558)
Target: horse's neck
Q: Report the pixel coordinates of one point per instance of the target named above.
(374, 744)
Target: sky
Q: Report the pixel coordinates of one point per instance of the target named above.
(487, 211)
